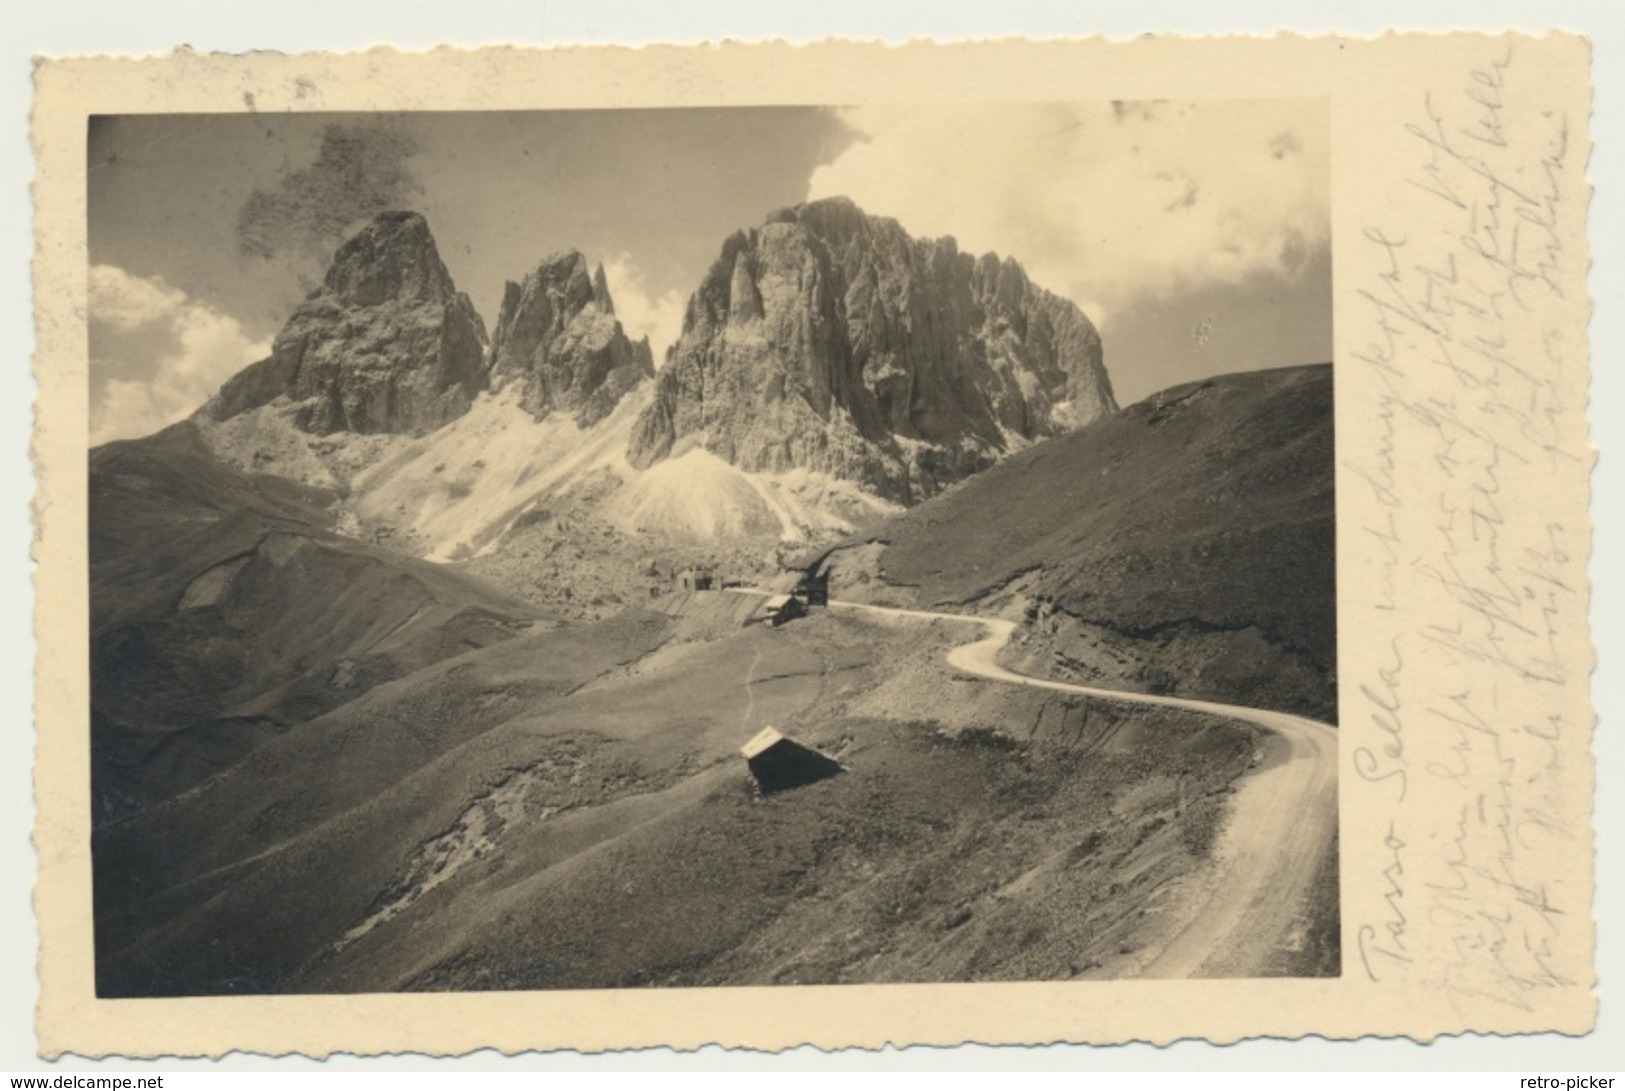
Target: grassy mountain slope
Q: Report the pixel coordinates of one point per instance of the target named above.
(223, 612)
(1195, 528)
(325, 767)
(584, 820)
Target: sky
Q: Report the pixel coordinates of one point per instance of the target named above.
(1195, 235)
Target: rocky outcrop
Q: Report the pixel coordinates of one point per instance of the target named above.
(386, 344)
(558, 342)
(832, 340)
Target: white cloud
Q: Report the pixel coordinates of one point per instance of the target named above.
(641, 310)
(121, 409)
(1107, 205)
(156, 355)
(126, 301)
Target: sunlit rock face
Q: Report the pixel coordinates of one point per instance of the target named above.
(831, 340)
(558, 341)
(387, 344)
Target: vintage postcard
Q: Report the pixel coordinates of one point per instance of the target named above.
(1009, 543)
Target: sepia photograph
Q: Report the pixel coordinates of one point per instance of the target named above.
(738, 546)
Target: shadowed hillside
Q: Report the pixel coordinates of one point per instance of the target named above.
(1184, 545)
(223, 613)
(570, 810)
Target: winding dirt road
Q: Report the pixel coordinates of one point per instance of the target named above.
(1251, 905)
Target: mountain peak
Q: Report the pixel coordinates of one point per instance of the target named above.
(831, 340)
(387, 344)
(837, 220)
(557, 342)
(836, 207)
(392, 257)
(562, 265)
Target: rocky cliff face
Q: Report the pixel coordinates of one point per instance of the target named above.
(832, 340)
(557, 340)
(387, 344)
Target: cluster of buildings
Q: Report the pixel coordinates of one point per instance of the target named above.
(811, 590)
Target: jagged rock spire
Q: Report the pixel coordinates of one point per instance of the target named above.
(386, 344)
(831, 340)
(558, 342)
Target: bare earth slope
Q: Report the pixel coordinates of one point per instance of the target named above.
(1184, 545)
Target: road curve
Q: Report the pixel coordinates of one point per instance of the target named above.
(1251, 907)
